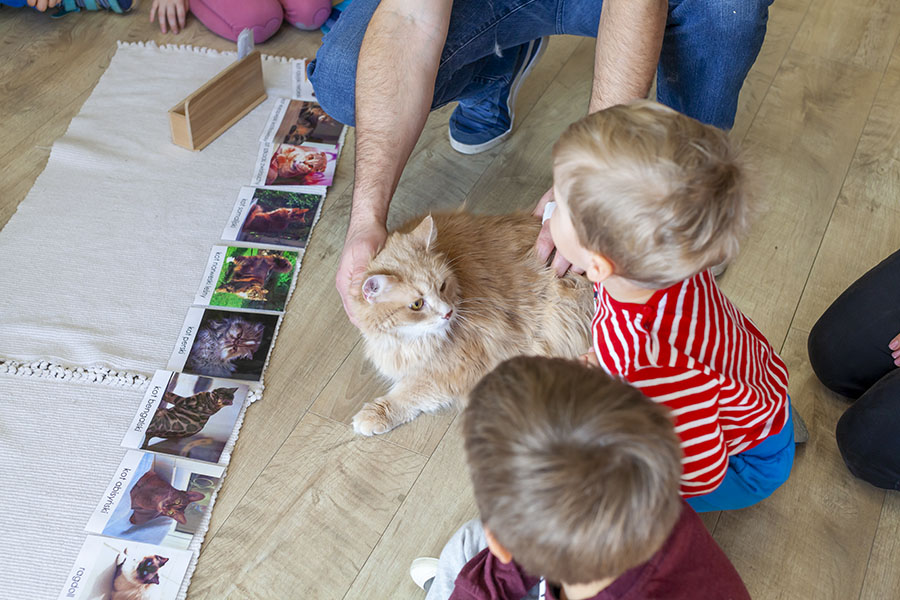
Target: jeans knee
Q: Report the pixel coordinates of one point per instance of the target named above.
(333, 76)
(740, 21)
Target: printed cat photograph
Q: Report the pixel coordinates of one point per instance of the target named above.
(137, 578)
(255, 278)
(306, 122)
(161, 500)
(280, 218)
(449, 297)
(234, 345)
(116, 569)
(301, 165)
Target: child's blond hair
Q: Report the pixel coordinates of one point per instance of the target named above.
(660, 195)
(575, 473)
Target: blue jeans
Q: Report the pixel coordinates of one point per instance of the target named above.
(754, 474)
(708, 48)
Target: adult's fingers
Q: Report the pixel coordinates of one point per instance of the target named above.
(895, 346)
(560, 265)
(539, 209)
(544, 244)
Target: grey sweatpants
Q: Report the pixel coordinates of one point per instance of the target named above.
(468, 541)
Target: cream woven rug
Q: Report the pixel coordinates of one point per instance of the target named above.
(102, 261)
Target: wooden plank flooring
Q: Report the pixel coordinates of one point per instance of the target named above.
(309, 507)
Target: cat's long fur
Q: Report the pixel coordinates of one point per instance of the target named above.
(500, 300)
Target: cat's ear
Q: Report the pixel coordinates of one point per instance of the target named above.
(154, 579)
(374, 287)
(195, 496)
(425, 232)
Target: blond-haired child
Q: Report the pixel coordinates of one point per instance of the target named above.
(648, 201)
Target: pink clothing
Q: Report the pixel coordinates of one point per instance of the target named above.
(229, 17)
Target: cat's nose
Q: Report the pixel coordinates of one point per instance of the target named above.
(449, 314)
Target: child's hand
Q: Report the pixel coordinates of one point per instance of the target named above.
(589, 359)
(894, 345)
(43, 5)
(172, 14)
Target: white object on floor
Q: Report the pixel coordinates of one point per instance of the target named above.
(423, 569)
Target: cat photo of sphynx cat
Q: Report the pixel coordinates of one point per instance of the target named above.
(448, 298)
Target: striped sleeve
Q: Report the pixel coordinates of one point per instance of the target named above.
(692, 396)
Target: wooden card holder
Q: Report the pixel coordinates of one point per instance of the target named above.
(218, 104)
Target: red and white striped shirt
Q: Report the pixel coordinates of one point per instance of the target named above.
(690, 349)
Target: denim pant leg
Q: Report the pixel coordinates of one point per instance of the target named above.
(479, 34)
(707, 51)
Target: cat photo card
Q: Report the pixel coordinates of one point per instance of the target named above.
(227, 344)
(111, 569)
(290, 165)
(156, 499)
(249, 278)
(300, 83)
(275, 216)
(186, 415)
(301, 122)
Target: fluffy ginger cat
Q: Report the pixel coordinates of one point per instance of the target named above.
(452, 295)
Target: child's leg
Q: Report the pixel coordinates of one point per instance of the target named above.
(468, 541)
(754, 474)
(306, 14)
(229, 17)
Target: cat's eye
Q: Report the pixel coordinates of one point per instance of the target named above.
(444, 285)
(418, 304)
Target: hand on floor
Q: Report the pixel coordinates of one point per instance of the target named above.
(172, 14)
(43, 5)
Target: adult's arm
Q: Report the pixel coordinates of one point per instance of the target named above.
(629, 39)
(395, 75)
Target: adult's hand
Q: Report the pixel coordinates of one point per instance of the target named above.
(544, 244)
(361, 244)
(894, 345)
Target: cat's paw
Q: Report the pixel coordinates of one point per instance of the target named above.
(374, 418)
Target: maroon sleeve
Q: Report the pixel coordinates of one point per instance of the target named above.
(486, 578)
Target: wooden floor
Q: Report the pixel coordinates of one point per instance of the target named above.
(309, 508)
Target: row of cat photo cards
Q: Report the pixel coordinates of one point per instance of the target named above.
(146, 525)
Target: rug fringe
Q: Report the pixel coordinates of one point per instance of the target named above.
(43, 369)
(194, 49)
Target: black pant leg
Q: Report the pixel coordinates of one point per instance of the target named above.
(868, 434)
(848, 346)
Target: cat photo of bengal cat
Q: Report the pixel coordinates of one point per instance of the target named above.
(186, 416)
(137, 578)
(229, 344)
(255, 278)
(280, 217)
(448, 298)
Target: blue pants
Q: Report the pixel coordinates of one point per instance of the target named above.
(754, 474)
(708, 48)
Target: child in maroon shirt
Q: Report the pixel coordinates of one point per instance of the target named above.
(576, 478)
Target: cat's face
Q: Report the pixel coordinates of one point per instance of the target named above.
(144, 570)
(224, 396)
(174, 504)
(410, 289)
(238, 337)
